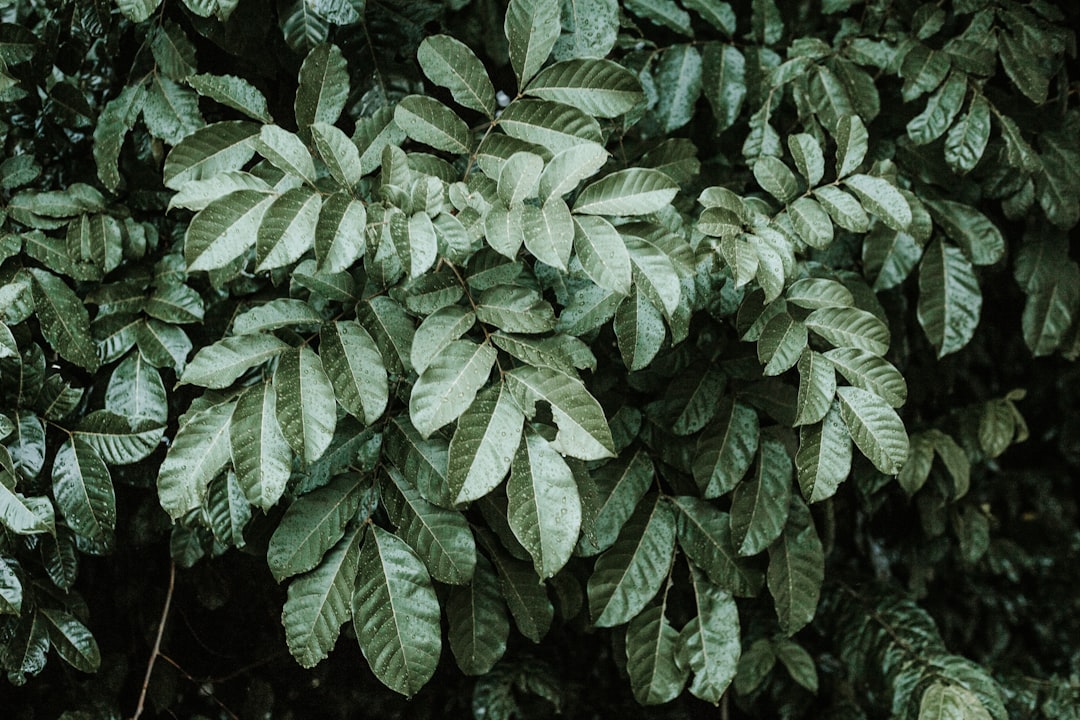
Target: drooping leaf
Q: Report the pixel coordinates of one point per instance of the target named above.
(726, 448)
(198, 452)
(355, 367)
(228, 510)
(63, 319)
(306, 406)
(260, 454)
(323, 86)
(723, 76)
(709, 644)
(875, 427)
(544, 508)
(487, 435)
(478, 624)
(941, 109)
(396, 613)
(760, 504)
(320, 602)
(84, 491)
(119, 439)
(629, 574)
(950, 299)
(796, 570)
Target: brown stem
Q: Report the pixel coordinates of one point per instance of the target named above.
(157, 642)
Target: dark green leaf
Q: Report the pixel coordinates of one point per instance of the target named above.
(63, 319)
(759, 505)
(323, 88)
(651, 644)
(84, 492)
(312, 525)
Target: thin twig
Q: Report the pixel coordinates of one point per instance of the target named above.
(157, 642)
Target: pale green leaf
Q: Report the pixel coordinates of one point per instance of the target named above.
(134, 10)
(590, 28)
(812, 222)
(844, 209)
(118, 439)
(941, 109)
(776, 178)
(339, 234)
(781, 344)
(171, 111)
(260, 455)
(227, 510)
(808, 157)
(25, 515)
(393, 330)
(276, 313)
(602, 253)
(338, 152)
(942, 701)
(306, 407)
(583, 429)
(234, 92)
(214, 149)
(449, 384)
(966, 141)
(724, 82)
(817, 386)
(225, 229)
(515, 309)
(875, 427)
(851, 144)
(568, 168)
(355, 367)
(197, 454)
(428, 121)
(487, 435)
(654, 274)
(981, 240)
(287, 152)
(813, 293)
(135, 390)
(531, 27)
(548, 232)
(871, 373)
(601, 88)
(662, 12)
(219, 365)
(451, 64)
(678, 83)
(519, 177)
(549, 124)
(197, 194)
(850, 327)
(313, 524)
(639, 330)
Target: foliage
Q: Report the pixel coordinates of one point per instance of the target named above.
(693, 337)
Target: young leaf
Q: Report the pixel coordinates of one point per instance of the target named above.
(796, 570)
(543, 507)
(234, 92)
(320, 602)
(583, 429)
(306, 407)
(601, 88)
(449, 384)
(478, 624)
(260, 454)
(531, 27)
(629, 574)
(197, 454)
(356, 370)
(323, 86)
(709, 644)
(396, 613)
(428, 121)
(759, 505)
(84, 492)
(875, 427)
(651, 643)
(312, 525)
(63, 319)
(451, 64)
(484, 443)
(950, 299)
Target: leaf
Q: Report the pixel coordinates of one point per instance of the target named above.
(449, 384)
(234, 92)
(590, 28)
(602, 253)
(450, 63)
(313, 524)
(198, 452)
(601, 88)
(306, 407)
(629, 574)
(726, 448)
(704, 534)
(809, 160)
(781, 344)
(972, 231)
(1020, 65)
(544, 508)
(117, 117)
(813, 293)
(817, 385)
(11, 589)
(941, 109)
(355, 367)
(25, 516)
(662, 12)
(228, 510)
(225, 229)
(525, 594)
(651, 644)
(134, 10)
(554, 126)
(396, 613)
(339, 234)
(678, 81)
(723, 75)
(219, 364)
(759, 505)
(569, 167)
(871, 373)
(776, 179)
(428, 121)
(84, 492)
(120, 440)
(484, 443)
(654, 274)
(943, 701)
(531, 27)
(63, 319)
(639, 329)
(320, 602)
(881, 199)
(823, 460)
(583, 428)
(799, 663)
(813, 224)
(72, 640)
(850, 327)
(1050, 310)
(875, 427)
(339, 154)
(274, 314)
(519, 177)
(617, 489)
(851, 144)
(209, 151)
(478, 624)
(949, 298)
(709, 644)
(844, 209)
(796, 570)
(176, 304)
(440, 537)
(171, 111)
(391, 329)
(548, 232)
(286, 151)
(966, 141)
(260, 455)
(323, 86)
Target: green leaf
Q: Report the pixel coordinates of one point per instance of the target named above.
(428, 121)
(312, 525)
(450, 63)
(176, 304)
(228, 510)
(941, 110)
(11, 589)
(198, 452)
(776, 179)
(544, 508)
(844, 210)
(63, 319)
(115, 120)
(654, 274)
(813, 293)
(850, 327)
(568, 168)
(519, 177)
(796, 570)
(513, 308)
(662, 12)
(339, 234)
(525, 594)
(234, 92)
(440, 537)
(583, 429)
(396, 613)
(811, 221)
(602, 253)
(423, 461)
(478, 624)
(260, 454)
(274, 314)
(808, 157)
(817, 386)
(118, 439)
(875, 427)
(209, 151)
(966, 141)
(339, 154)
(781, 344)
(134, 10)
(823, 460)
(629, 574)
(851, 144)
(949, 298)
(554, 126)
(306, 407)
(639, 329)
(705, 536)
(1050, 310)
(531, 27)
(72, 640)
(678, 82)
(759, 505)
(799, 663)
(724, 82)
(618, 487)
(219, 365)
(355, 366)
(590, 28)
(319, 603)
(391, 328)
(973, 232)
(882, 199)
(726, 448)
(171, 111)
(25, 515)
(323, 86)
(709, 644)
(1020, 64)
(449, 384)
(651, 644)
(943, 701)
(286, 151)
(871, 373)
(225, 229)
(601, 88)
(84, 492)
(484, 444)
(548, 232)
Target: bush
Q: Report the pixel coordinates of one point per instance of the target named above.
(615, 355)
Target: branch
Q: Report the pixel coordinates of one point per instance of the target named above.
(157, 642)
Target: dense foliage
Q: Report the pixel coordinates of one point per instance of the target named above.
(617, 355)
